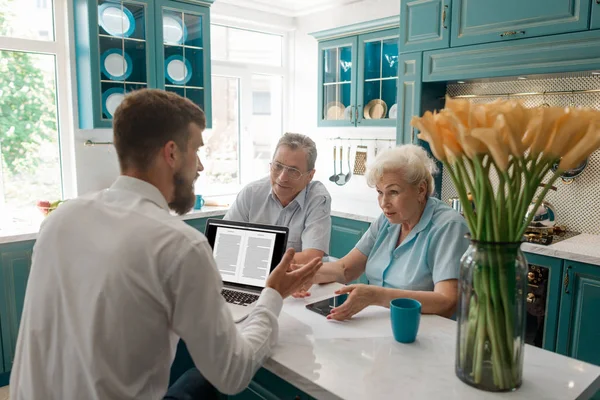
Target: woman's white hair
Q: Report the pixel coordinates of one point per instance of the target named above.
(410, 160)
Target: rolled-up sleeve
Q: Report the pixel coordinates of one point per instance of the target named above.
(317, 225)
(367, 241)
(446, 247)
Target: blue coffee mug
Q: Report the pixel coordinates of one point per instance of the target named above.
(199, 202)
(405, 316)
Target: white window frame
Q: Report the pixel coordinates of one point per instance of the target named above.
(244, 72)
(59, 48)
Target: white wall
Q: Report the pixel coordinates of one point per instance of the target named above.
(304, 105)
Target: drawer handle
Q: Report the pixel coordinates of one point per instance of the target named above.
(444, 17)
(566, 280)
(512, 33)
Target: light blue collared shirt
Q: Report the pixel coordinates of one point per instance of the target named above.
(429, 254)
(308, 216)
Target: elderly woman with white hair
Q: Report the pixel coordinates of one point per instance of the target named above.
(412, 250)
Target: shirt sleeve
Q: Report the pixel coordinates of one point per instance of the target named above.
(317, 225)
(226, 356)
(240, 209)
(367, 241)
(446, 247)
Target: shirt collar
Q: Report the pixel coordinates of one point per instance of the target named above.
(142, 188)
(300, 197)
(425, 217)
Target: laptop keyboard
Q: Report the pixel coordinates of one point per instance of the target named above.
(240, 298)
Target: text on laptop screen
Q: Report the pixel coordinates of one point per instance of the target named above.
(244, 256)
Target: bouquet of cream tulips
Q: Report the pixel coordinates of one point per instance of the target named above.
(520, 146)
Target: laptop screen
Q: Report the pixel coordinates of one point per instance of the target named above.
(246, 253)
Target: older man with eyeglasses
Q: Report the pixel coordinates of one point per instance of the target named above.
(289, 197)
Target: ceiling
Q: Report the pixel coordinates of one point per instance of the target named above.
(290, 8)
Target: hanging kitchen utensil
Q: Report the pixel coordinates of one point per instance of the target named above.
(333, 177)
(360, 160)
(570, 174)
(349, 174)
(341, 177)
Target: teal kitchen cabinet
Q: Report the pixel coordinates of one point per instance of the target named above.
(15, 264)
(485, 21)
(571, 52)
(539, 267)
(113, 43)
(579, 321)
(595, 17)
(200, 223)
(345, 233)
(267, 386)
(424, 25)
(127, 45)
(377, 78)
(337, 82)
(357, 74)
(409, 95)
(414, 98)
(189, 54)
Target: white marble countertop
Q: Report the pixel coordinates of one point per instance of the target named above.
(359, 359)
(584, 248)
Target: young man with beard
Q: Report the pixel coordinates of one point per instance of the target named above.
(116, 280)
(290, 197)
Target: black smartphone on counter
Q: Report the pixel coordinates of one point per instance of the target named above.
(324, 307)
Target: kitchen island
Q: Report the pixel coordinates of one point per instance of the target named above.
(359, 359)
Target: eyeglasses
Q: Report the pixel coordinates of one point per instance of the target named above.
(292, 172)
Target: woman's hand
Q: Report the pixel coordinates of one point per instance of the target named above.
(359, 297)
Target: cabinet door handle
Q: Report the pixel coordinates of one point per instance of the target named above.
(357, 107)
(512, 33)
(566, 280)
(412, 135)
(352, 115)
(444, 17)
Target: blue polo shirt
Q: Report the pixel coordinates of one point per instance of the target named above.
(429, 254)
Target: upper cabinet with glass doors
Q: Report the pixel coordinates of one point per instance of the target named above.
(358, 75)
(126, 45)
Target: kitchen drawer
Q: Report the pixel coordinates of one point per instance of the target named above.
(570, 52)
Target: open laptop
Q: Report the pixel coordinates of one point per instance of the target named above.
(245, 254)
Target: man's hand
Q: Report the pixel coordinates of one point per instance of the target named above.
(286, 281)
(303, 291)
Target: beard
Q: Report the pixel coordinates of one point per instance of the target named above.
(184, 197)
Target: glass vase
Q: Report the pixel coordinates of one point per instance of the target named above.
(491, 316)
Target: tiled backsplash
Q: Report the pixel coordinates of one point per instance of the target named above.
(576, 203)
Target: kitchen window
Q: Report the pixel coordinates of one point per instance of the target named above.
(248, 80)
(33, 111)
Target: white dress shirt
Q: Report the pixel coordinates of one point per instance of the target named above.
(115, 282)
